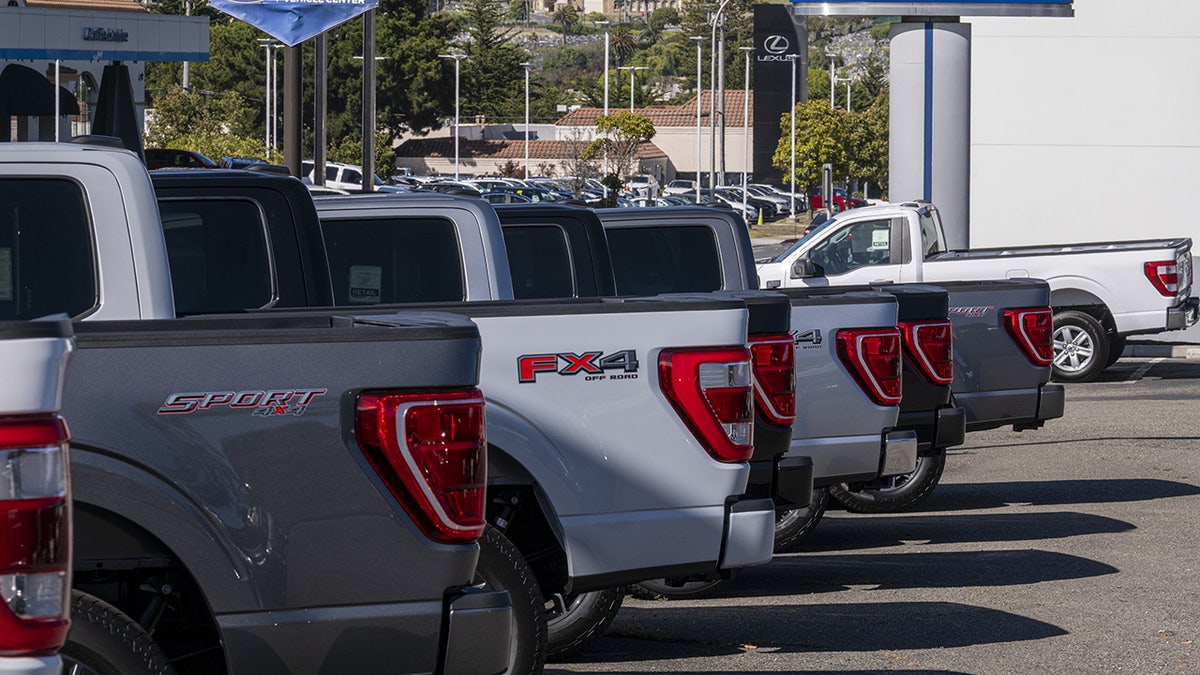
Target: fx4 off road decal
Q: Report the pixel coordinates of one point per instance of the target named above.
(590, 365)
(263, 403)
(807, 339)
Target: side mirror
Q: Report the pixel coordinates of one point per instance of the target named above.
(804, 268)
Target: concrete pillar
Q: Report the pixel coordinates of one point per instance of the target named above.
(930, 156)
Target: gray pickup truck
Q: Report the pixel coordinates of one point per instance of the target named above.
(252, 494)
(35, 496)
(1000, 333)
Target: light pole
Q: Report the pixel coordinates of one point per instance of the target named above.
(270, 98)
(606, 25)
(832, 76)
(457, 56)
(527, 64)
(847, 80)
(716, 106)
(699, 90)
(368, 102)
(792, 141)
(746, 128)
(632, 70)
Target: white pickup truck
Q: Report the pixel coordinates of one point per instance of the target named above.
(1100, 292)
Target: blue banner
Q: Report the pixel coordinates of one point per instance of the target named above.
(294, 21)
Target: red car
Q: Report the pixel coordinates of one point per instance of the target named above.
(157, 158)
(841, 201)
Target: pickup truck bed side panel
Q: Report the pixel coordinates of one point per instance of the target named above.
(848, 426)
(270, 540)
(35, 357)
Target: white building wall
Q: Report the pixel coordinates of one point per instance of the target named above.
(1087, 128)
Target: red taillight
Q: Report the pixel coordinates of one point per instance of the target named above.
(430, 449)
(873, 357)
(1033, 330)
(929, 345)
(35, 548)
(1164, 276)
(774, 360)
(710, 389)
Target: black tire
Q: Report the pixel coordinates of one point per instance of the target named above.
(105, 641)
(1116, 347)
(576, 620)
(895, 493)
(501, 567)
(659, 589)
(794, 525)
(1080, 347)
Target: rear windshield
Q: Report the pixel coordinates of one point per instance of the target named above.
(539, 260)
(47, 263)
(217, 249)
(650, 260)
(387, 260)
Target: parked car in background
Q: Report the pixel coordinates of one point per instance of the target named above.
(799, 203)
(506, 198)
(344, 176)
(642, 185)
(841, 200)
(170, 158)
(679, 187)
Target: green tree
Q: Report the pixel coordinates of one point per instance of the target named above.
(566, 16)
(621, 134)
(212, 125)
(492, 77)
(821, 138)
(867, 143)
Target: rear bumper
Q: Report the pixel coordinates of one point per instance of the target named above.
(477, 632)
(899, 453)
(1183, 315)
(1022, 408)
(30, 665)
(749, 533)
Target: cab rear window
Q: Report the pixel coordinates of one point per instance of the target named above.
(540, 261)
(387, 260)
(47, 263)
(650, 260)
(218, 253)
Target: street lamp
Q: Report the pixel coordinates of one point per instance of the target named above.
(631, 70)
(606, 25)
(368, 102)
(847, 80)
(527, 64)
(832, 76)
(746, 129)
(457, 56)
(793, 58)
(271, 98)
(699, 90)
(717, 85)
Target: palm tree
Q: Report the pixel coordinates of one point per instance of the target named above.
(566, 16)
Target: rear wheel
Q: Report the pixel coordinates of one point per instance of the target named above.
(574, 621)
(501, 567)
(794, 525)
(105, 641)
(1080, 347)
(895, 493)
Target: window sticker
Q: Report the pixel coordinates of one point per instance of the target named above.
(366, 284)
(880, 239)
(6, 274)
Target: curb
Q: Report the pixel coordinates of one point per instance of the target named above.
(1159, 350)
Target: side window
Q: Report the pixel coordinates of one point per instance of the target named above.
(650, 260)
(931, 236)
(47, 263)
(331, 173)
(217, 250)
(353, 177)
(540, 261)
(380, 261)
(853, 246)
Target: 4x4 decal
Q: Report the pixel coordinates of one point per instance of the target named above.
(592, 365)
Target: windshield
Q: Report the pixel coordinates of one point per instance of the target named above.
(784, 256)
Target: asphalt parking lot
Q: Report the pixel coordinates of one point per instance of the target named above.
(1069, 549)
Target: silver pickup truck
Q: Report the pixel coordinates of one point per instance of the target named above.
(35, 496)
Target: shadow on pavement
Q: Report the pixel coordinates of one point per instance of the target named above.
(695, 630)
(962, 496)
(791, 574)
(847, 533)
